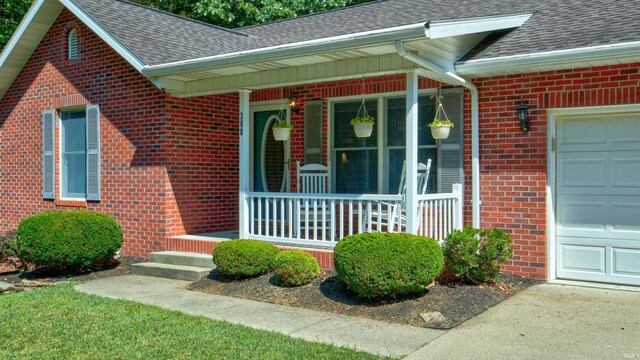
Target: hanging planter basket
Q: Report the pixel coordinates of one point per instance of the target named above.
(281, 128)
(363, 130)
(363, 122)
(281, 133)
(441, 125)
(440, 132)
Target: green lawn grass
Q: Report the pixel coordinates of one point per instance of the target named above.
(61, 323)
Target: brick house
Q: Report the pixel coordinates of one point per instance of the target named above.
(165, 124)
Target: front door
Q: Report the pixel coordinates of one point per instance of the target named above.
(270, 157)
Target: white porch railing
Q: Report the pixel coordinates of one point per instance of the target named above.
(324, 219)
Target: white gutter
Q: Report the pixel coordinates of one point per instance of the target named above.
(456, 27)
(549, 58)
(405, 32)
(475, 119)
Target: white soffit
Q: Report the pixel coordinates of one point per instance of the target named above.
(456, 27)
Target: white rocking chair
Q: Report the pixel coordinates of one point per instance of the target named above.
(313, 218)
(395, 215)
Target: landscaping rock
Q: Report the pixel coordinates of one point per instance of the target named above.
(34, 283)
(6, 287)
(434, 317)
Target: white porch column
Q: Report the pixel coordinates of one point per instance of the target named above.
(412, 153)
(244, 170)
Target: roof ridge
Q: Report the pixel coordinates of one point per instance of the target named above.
(163, 12)
(313, 14)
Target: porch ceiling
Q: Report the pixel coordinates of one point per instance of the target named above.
(379, 59)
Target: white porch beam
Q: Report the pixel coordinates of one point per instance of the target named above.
(244, 170)
(412, 153)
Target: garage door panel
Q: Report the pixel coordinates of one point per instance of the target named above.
(582, 215)
(626, 262)
(583, 172)
(583, 258)
(625, 217)
(598, 198)
(625, 172)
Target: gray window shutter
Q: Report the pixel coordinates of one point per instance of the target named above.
(313, 132)
(450, 150)
(48, 154)
(93, 152)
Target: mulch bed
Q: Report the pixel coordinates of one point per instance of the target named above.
(119, 267)
(456, 301)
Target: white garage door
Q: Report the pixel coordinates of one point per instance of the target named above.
(598, 198)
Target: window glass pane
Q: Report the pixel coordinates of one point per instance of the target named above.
(76, 174)
(396, 160)
(396, 123)
(344, 136)
(357, 172)
(74, 131)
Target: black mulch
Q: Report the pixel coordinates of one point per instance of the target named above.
(456, 301)
(119, 267)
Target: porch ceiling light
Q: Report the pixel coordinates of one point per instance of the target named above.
(292, 104)
(523, 116)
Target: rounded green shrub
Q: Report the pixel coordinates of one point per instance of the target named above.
(68, 239)
(476, 255)
(296, 267)
(387, 264)
(244, 258)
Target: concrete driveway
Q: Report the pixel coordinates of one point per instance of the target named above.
(548, 322)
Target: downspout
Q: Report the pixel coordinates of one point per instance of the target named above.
(475, 119)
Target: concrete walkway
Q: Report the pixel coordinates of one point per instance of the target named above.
(376, 337)
(543, 322)
(548, 322)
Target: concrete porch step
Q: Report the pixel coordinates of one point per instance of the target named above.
(170, 271)
(182, 258)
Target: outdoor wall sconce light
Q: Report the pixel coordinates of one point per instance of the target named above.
(523, 116)
(292, 104)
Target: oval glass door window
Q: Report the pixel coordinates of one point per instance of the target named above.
(273, 160)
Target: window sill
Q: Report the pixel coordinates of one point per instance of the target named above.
(74, 203)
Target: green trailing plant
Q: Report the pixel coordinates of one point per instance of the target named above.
(476, 255)
(367, 119)
(296, 268)
(387, 264)
(244, 258)
(68, 239)
(441, 122)
(282, 124)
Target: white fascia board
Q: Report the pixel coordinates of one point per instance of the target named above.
(562, 58)
(135, 61)
(17, 35)
(448, 28)
(412, 31)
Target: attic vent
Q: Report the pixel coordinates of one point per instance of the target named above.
(73, 45)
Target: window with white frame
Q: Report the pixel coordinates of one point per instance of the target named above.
(73, 148)
(374, 164)
(79, 146)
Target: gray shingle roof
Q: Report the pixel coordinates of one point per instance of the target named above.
(157, 37)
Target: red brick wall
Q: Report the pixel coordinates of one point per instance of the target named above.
(202, 164)
(513, 166)
(133, 178)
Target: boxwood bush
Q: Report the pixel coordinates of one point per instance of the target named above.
(387, 264)
(68, 239)
(244, 258)
(476, 255)
(296, 268)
